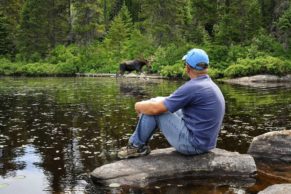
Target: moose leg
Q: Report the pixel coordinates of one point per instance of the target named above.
(122, 69)
(138, 68)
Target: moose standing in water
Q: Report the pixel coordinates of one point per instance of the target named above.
(133, 65)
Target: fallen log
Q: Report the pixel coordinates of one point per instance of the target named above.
(167, 164)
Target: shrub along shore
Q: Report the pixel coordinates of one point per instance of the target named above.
(225, 62)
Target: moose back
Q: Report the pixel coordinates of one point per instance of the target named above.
(133, 65)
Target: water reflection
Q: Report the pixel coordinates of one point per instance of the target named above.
(130, 88)
(251, 112)
(55, 130)
(30, 176)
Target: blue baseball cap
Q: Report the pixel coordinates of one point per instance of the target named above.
(194, 57)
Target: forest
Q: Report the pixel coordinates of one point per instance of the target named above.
(65, 37)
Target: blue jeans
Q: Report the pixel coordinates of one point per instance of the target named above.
(172, 126)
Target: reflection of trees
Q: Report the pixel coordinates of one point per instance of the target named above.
(12, 136)
(251, 112)
(60, 149)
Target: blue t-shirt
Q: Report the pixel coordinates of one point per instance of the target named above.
(203, 108)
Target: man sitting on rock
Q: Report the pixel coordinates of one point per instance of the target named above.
(190, 118)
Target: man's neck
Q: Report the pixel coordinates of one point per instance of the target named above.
(193, 75)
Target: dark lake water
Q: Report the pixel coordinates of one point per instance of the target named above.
(53, 131)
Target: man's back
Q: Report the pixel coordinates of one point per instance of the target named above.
(203, 107)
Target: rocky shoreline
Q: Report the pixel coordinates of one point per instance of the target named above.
(131, 75)
(261, 80)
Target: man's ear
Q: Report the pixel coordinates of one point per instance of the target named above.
(188, 68)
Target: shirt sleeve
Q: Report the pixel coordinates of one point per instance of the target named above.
(179, 99)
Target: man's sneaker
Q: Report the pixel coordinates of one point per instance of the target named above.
(131, 152)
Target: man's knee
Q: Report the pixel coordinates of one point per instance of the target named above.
(166, 115)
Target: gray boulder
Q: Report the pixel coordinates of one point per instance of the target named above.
(166, 164)
(277, 189)
(274, 145)
(258, 81)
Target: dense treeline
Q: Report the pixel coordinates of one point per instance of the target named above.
(63, 37)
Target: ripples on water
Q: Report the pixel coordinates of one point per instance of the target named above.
(55, 130)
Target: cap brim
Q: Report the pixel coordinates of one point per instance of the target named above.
(184, 57)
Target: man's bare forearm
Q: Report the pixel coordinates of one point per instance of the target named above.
(150, 107)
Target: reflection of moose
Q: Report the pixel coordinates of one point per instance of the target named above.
(134, 65)
(132, 89)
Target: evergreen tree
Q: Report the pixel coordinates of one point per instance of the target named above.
(126, 17)
(137, 46)
(43, 25)
(238, 21)
(133, 6)
(198, 21)
(105, 13)
(9, 21)
(34, 27)
(284, 25)
(87, 20)
(117, 34)
(58, 15)
(163, 20)
(6, 43)
(205, 15)
(267, 9)
(115, 6)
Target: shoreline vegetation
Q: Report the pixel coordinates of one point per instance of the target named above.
(66, 66)
(39, 38)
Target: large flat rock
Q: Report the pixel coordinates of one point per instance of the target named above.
(277, 189)
(166, 164)
(274, 145)
(260, 80)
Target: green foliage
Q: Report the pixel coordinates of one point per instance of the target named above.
(178, 71)
(42, 26)
(164, 20)
(215, 73)
(169, 55)
(228, 30)
(96, 35)
(284, 25)
(259, 65)
(264, 42)
(173, 71)
(9, 20)
(6, 43)
(86, 20)
(33, 29)
(38, 69)
(117, 34)
(68, 59)
(137, 46)
(7, 68)
(126, 17)
(61, 54)
(284, 22)
(217, 55)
